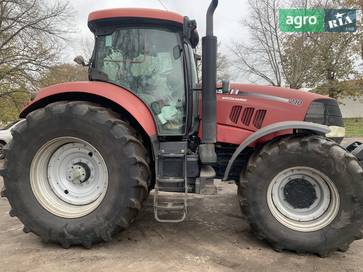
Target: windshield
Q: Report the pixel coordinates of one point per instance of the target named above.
(149, 63)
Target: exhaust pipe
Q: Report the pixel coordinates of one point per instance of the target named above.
(207, 152)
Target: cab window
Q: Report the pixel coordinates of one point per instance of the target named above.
(149, 63)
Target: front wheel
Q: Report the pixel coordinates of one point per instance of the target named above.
(305, 194)
(75, 174)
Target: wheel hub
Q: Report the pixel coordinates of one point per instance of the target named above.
(79, 173)
(300, 194)
(73, 174)
(69, 177)
(303, 199)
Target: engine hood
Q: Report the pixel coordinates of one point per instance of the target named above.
(247, 108)
(278, 94)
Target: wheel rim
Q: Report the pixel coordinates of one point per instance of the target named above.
(303, 199)
(69, 177)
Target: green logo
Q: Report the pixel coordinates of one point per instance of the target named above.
(301, 20)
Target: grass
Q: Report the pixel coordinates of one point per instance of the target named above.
(354, 127)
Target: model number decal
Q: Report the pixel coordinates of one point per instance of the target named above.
(292, 101)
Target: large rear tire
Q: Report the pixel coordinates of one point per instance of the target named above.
(304, 194)
(75, 174)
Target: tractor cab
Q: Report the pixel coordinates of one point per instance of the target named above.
(151, 56)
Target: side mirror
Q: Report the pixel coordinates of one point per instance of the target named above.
(225, 86)
(194, 39)
(190, 31)
(80, 60)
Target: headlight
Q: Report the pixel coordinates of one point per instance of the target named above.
(327, 112)
(336, 132)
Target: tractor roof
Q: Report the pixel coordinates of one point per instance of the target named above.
(136, 13)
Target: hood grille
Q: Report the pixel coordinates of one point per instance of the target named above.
(259, 118)
(235, 113)
(247, 116)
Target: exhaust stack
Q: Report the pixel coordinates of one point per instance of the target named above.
(207, 152)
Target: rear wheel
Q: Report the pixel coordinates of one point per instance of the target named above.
(305, 194)
(75, 174)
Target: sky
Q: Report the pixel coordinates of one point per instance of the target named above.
(227, 18)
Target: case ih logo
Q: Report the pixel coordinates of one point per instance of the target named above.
(318, 20)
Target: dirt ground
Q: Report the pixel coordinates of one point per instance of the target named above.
(213, 238)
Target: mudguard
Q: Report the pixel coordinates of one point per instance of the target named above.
(125, 99)
(272, 129)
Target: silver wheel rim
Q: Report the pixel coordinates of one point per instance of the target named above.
(317, 209)
(69, 177)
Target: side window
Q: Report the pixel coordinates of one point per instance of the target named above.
(145, 62)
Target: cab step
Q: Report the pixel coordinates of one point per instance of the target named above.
(171, 177)
(171, 180)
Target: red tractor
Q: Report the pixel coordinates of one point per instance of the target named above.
(88, 153)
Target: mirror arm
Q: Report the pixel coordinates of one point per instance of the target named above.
(80, 60)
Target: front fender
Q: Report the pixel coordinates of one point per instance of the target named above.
(105, 91)
(272, 129)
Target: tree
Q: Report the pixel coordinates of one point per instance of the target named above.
(265, 57)
(11, 105)
(261, 56)
(63, 73)
(87, 47)
(335, 56)
(30, 34)
(353, 3)
(222, 64)
(296, 66)
(298, 59)
(350, 88)
(334, 63)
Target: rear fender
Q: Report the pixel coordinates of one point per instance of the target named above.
(97, 92)
(316, 128)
